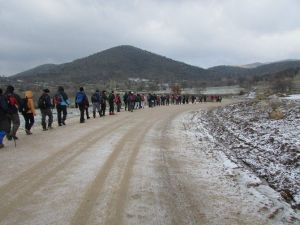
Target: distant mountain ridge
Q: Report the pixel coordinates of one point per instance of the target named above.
(117, 63)
(252, 65)
(123, 62)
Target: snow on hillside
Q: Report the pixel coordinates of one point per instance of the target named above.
(249, 137)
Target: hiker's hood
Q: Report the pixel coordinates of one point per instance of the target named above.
(28, 94)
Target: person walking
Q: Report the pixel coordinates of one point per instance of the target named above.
(96, 101)
(45, 107)
(80, 100)
(131, 101)
(193, 99)
(13, 102)
(118, 102)
(125, 100)
(61, 101)
(111, 102)
(143, 101)
(4, 122)
(103, 103)
(28, 111)
(137, 101)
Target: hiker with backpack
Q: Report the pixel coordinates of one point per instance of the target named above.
(118, 102)
(142, 101)
(131, 101)
(138, 101)
(45, 106)
(4, 122)
(13, 102)
(61, 101)
(80, 102)
(96, 101)
(111, 102)
(28, 111)
(103, 103)
(125, 100)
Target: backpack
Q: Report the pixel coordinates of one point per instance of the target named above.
(23, 107)
(11, 100)
(42, 102)
(57, 99)
(94, 98)
(79, 98)
(132, 98)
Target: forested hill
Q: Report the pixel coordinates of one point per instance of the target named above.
(119, 63)
(124, 62)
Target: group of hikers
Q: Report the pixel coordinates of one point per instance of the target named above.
(11, 104)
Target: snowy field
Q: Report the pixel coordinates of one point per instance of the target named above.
(251, 139)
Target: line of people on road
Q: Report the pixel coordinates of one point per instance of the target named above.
(11, 104)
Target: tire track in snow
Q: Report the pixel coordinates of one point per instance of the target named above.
(183, 207)
(29, 181)
(84, 211)
(117, 206)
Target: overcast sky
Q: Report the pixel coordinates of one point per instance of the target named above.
(203, 33)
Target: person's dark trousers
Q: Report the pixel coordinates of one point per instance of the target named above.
(103, 108)
(15, 120)
(111, 108)
(81, 109)
(118, 107)
(87, 112)
(131, 106)
(29, 120)
(46, 112)
(61, 109)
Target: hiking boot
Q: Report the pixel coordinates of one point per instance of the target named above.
(50, 127)
(28, 132)
(63, 123)
(1, 145)
(9, 137)
(88, 117)
(60, 124)
(44, 129)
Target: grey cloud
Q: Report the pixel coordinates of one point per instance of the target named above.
(203, 33)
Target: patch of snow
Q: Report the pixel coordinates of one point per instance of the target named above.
(293, 97)
(251, 95)
(208, 143)
(270, 149)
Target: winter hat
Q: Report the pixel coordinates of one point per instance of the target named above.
(81, 89)
(46, 90)
(60, 88)
(10, 89)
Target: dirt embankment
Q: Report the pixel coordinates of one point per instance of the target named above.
(265, 136)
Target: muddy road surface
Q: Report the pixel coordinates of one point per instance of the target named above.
(130, 168)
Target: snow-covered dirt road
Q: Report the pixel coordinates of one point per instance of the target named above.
(144, 167)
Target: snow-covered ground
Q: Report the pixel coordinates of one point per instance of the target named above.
(152, 166)
(293, 97)
(247, 135)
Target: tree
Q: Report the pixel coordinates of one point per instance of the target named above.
(283, 84)
(176, 89)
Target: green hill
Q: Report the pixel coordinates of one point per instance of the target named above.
(119, 63)
(123, 64)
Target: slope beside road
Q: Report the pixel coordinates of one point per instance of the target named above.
(132, 168)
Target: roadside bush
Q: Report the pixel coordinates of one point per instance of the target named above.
(276, 115)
